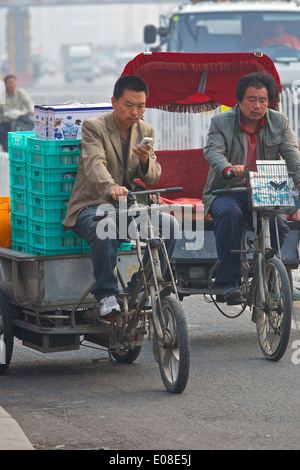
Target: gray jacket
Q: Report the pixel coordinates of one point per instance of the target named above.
(225, 146)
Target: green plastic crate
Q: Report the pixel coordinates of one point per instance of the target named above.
(50, 209)
(51, 181)
(51, 239)
(19, 229)
(18, 201)
(18, 174)
(53, 153)
(20, 246)
(18, 145)
(124, 246)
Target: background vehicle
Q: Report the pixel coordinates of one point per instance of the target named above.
(231, 27)
(18, 121)
(77, 60)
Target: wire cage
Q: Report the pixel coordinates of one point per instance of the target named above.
(273, 186)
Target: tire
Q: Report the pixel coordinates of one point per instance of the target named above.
(127, 356)
(173, 351)
(6, 334)
(273, 321)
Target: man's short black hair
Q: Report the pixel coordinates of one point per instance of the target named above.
(7, 77)
(257, 80)
(129, 82)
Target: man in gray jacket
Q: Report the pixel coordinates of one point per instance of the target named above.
(238, 137)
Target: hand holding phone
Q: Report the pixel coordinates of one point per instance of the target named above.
(145, 141)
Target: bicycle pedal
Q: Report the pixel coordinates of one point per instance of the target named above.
(236, 301)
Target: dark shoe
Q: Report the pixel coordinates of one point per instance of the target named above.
(233, 295)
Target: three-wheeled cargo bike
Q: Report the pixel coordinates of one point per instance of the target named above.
(45, 300)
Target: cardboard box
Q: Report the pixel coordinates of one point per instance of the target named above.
(40, 121)
(64, 121)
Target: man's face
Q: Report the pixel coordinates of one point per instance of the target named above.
(10, 85)
(129, 108)
(254, 104)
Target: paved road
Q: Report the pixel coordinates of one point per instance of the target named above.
(235, 399)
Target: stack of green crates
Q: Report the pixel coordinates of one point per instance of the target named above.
(42, 175)
(41, 184)
(18, 162)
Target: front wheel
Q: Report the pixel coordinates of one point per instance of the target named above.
(6, 334)
(173, 349)
(273, 318)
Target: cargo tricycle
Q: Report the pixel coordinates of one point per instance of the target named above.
(45, 301)
(181, 82)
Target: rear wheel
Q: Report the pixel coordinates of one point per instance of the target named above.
(173, 350)
(273, 318)
(6, 334)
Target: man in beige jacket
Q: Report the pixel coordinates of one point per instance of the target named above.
(111, 158)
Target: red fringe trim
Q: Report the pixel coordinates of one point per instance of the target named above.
(225, 66)
(188, 108)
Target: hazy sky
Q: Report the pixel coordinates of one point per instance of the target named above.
(102, 25)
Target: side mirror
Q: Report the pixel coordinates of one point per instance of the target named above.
(149, 34)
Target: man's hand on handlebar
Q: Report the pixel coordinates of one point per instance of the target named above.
(118, 191)
(236, 170)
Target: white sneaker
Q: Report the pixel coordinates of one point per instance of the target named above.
(108, 305)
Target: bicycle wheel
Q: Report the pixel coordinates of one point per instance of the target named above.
(173, 350)
(6, 334)
(273, 319)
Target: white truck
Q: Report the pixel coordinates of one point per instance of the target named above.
(272, 27)
(77, 60)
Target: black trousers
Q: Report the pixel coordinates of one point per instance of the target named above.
(229, 212)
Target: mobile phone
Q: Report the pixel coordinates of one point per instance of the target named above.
(145, 141)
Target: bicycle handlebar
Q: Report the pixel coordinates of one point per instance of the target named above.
(130, 197)
(154, 191)
(239, 189)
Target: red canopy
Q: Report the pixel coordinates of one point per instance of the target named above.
(196, 82)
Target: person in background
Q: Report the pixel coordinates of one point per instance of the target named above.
(281, 38)
(15, 99)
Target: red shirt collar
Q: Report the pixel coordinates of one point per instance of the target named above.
(261, 123)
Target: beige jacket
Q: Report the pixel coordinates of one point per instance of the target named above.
(101, 164)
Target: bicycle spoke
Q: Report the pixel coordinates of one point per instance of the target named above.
(173, 347)
(274, 316)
